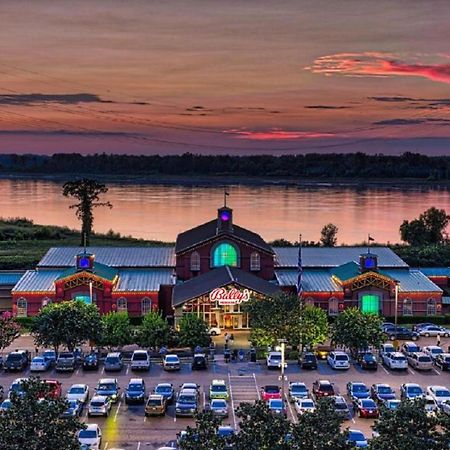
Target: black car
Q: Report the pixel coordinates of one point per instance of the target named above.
(401, 333)
(442, 361)
(200, 362)
(90, 362)
(367, 361)
(308, 361)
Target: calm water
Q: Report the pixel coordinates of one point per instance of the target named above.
(161, 212)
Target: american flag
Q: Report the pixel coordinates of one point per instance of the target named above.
(300, 268)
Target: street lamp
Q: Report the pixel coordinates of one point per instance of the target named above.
(396, 304)
(282, 343)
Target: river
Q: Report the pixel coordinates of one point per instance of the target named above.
(161, 212)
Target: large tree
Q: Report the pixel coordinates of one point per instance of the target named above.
(408, 427)
(193, 331)
(69, 323)
(35, 422)
(357, 330)
(328, 235)
(9, 330)
(116, 330)
(87, 193)
(311, 328)
(154, 331)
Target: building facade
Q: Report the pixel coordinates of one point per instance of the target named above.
(216, 267)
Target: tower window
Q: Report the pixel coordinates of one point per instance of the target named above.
(195, 262)
(225, 254)
(255, 261)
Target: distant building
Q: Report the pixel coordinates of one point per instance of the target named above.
(217, 266)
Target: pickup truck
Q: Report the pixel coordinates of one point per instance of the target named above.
(66, 362)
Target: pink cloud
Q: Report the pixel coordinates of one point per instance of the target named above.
(378, 65)
(276, 135)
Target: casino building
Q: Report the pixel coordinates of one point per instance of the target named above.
(216, 267)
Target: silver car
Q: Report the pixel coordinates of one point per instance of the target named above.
(219, 407)
(100, 405)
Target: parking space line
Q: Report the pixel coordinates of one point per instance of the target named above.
(103, 370)
(117, 412)
(128, 368)
(139, 445)
(384, 368)
(106, 445)
(256, 385)
(437, 371)
(294, 419)
(411, 371)
(232, 401)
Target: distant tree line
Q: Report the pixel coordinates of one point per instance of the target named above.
(311, 165)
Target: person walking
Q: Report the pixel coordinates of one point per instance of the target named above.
(438, 340)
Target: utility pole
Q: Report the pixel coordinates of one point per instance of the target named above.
(282, 342)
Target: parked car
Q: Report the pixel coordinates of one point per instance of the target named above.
(410, 391)
(16, 361)
(385, 325)
(140, 360)
(91, 436)
(431, 406)
(367, 361)
(17, 387)
(386, 348)
(438, 393)
(135, 391)
(156, 405)
(357, 438)
(297, 390)
(50, 355)
(113, 362)
(308, 360)
(395, 361)
(270, 391)
(219, 407)
(200, 362)
(171, 363)
(338, 360)
(367, 408)
(322, 351)
(90, 362)
(273, 360)
(323, 388)
(78, 392)
(100, 405)
(392, 404)
(194, 386)
(226, 432)
(417, 327)
(215, 331)
(108, 387)
(402, 333)
(434, 330)
(218, 389)
(444, 407)
(39, 364)
(54, 389)
(443, 361)
(66, 362)
(410, 347)
(381, 392)
(74, 409)
(187, 403)
(433, 351)
(357, 390)
(276, 406)
(341, 407)
(304, 405)
(166, 390)
(420, 361)
(5, 405)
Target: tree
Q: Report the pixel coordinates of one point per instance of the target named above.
(35, 424)
(429, 228)
(116, 330)
(408, 427)
(154, 330)
(328, 235)
(260, 429)
(311, 434)
(356, 330)
(87, 192)
(68, 323)
(204, 434)
(193, 331)
(311, 328)
(9, 330)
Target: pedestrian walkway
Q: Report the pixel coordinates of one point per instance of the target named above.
(243, 388)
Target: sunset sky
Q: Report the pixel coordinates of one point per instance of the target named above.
(224, 76)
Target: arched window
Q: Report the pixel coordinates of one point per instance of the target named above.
(407, 307)
(333, 306)
(146, 305)
(255, 261)
(195, 262)
(309, 301)
(225, 254)
(122, 304)
(46, 301)
(431, 307)
(22, 307)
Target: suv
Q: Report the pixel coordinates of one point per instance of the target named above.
(218, 389)
(17, 360)
(140, 360)
(200, 361)
(65, 362)
(113, 361)
(187, 403)
(135, 391)
(410, 347)
(171, 362)
(308, 361)
(108, 387)
(90, 362)
(420, 361)
(395, 360)
(339, 360)
(156, 405)
(323, 388)
(273, 360)
(341, 407)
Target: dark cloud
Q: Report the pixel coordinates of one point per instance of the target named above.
(431, 101)
(436, 120)
(66, 99)
(393, 99)
(327, 107)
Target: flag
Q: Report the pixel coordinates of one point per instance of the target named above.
(300, 268)
(371, 238)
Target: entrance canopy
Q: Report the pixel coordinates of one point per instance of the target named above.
(220, 277)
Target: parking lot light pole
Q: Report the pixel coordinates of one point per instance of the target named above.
(282, 343)
(396, 305)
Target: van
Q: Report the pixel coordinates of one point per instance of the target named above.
(113, 361)
(420, 361)
(140, 360)
(339, 360)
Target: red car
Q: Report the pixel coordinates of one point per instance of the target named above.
(366, 407)
(55, 389)
(323, 388)
(270, 391)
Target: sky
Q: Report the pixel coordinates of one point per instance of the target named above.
(213, 76)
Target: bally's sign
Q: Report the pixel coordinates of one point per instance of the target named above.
(229, 296)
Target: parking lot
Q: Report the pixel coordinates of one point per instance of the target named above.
(128, 428)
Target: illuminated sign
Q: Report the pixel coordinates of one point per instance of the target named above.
(229, 296)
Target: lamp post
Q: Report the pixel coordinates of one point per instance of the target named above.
(282, 343)
(396, 304)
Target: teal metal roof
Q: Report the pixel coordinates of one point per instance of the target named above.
(412, 281)
(435, 271)
(312, 280)
(346, 271)
(37, 281)
(143, 280)
(101, 270)
(10, 278)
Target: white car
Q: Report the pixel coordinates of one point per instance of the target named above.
(78, 392)
(434, 330)
(39, 364)
(273, 360)
(445, 407)
(395, 360)
(433, 351)
(100, 405)
(140, 360)
(339, 360)
(215, 331)
(91, 436)
(430, 405)
(304, 405)
(438, 393)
